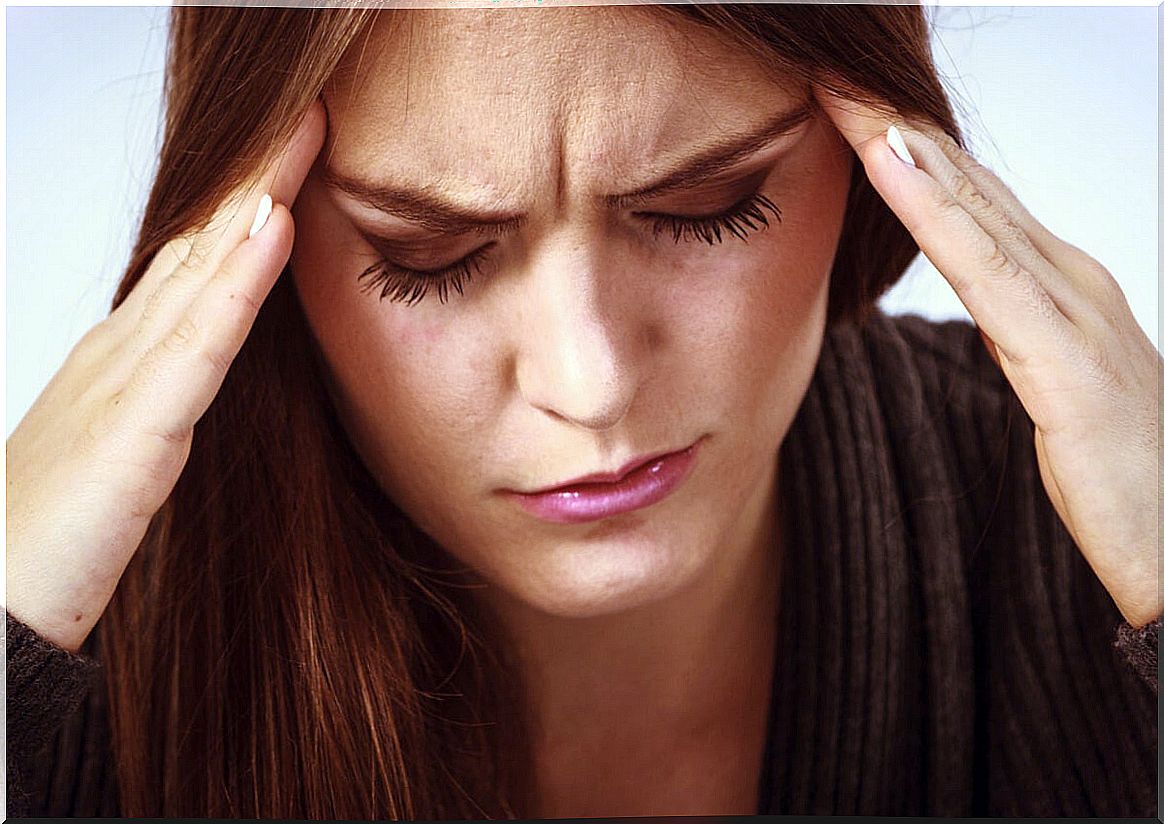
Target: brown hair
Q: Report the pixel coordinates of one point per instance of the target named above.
(285, 644)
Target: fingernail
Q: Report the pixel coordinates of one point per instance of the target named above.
(897, 143)
(261, 215)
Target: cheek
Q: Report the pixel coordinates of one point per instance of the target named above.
(412, 392)
(762, 315)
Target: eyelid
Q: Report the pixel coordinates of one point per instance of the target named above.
(750, 172)
(388, 248)
(738, 183)
(733, 190)
(387, 245)
(377, 236)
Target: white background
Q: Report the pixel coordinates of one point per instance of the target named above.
(1062, 102)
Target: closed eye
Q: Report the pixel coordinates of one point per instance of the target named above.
(740, 219)
(408, 285)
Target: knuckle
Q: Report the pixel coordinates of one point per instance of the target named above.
(947, 142)
(188, 338)
(1101, 368)
(152, 305)
(90, 356)
(88, 437)
(975, 169)
(217, 361)
(95, 343)
(183, 337)
(947, 207)
(966, 192)
(1004, 226)
(999, 265)
(180, 246)
(170, 437)
(130, 413)
(1100, 279)
(188, 250)
(103, 431)
(166, 258)
(938, 135)
(1097, 271)
(1010, 235)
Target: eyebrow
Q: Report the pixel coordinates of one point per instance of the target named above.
(712, 161)
(438, 214)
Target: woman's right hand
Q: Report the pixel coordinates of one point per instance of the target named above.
(102, 447)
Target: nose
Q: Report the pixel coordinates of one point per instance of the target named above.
(580, 348)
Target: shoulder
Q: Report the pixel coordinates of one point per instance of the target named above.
(935, 388)
(957, 444)
(946, 359)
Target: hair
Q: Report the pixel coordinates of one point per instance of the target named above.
(285, 643)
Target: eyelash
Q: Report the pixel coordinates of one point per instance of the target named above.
(400, 284)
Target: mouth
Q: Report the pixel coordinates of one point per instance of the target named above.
(640, 483)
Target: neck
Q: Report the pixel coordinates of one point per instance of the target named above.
(629, 695)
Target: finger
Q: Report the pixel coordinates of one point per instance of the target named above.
(998, 220)
(175, 382)
(1067, 257)
(1006, 300)
(859, 123)
(164, 293)
(1092, 284)
(283, 178)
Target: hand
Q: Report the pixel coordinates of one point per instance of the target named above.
(1059, 328)
(103, 446)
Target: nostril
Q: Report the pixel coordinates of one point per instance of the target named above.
(578, 356)
(585, 405)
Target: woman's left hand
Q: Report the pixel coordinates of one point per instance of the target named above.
(1059, 328)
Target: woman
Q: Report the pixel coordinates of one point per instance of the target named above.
(569, 469)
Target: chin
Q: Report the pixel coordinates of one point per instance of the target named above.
(606, 577)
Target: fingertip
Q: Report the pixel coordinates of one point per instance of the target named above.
(902, 187)
(286, 222)
(858, 121)
(261, 214)
(898, 146)
(277, 230)
(265, 254)
(313, 128)
(300, 154)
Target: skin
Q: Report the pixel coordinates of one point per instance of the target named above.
(594, 341)
(586, 342)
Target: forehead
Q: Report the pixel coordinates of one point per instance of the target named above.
(449, 91)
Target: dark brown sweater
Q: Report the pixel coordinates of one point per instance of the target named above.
(943, 647)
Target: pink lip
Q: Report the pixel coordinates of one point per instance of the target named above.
(643, 482)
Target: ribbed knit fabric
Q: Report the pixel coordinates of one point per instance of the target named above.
(943, 647)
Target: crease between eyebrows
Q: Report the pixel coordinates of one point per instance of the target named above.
(421, 206)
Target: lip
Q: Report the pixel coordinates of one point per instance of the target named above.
(639, 484)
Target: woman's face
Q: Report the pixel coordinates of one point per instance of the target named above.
(583, 339)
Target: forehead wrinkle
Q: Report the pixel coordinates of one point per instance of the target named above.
(583, 122)
(558, 152)
(617, 141)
